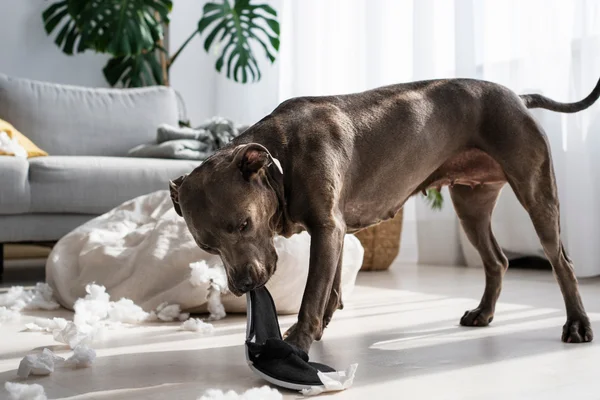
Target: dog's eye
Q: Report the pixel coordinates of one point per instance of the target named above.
(244, 226)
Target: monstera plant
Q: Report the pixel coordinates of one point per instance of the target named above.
(132, 32)
(434, 198)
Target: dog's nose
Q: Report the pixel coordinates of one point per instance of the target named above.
(245, 285)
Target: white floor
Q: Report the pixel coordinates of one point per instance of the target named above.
(401, 326)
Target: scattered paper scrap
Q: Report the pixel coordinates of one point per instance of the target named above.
(82, 357)
(74, 335)
(38, 364)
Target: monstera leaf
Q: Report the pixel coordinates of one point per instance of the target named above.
(239, 27)
(137, 70)
(132, 32)
(434, 198)
(117, 27)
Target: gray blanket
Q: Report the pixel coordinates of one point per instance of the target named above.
(189, 143)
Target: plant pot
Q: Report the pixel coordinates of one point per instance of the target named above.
(381, 243)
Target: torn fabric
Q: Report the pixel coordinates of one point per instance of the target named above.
(333, 381)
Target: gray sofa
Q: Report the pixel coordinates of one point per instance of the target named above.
(87, 133)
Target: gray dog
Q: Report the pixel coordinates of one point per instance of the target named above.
(337, 164)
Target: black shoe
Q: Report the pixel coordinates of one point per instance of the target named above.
(275, 360)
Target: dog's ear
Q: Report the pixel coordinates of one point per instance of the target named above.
(251, 158)
(174, 186)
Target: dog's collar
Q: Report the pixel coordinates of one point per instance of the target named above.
(277, 164)
(275, 180)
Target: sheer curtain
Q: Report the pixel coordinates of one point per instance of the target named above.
(546, 46)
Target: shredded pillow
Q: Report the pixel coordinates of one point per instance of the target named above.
(14, 143)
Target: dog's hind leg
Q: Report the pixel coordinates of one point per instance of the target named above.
(527, 164)
(474, 208)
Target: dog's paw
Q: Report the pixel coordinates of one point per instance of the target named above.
(477, 317)
(298, 339)
(577, 330)
(289, 331)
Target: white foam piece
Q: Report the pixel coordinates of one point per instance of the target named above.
(14, 298)
(216, 278)
(83, 357)
(6, 314)
(93, 313)
(93, 307)
(202, 273)
(21, 391)
(126, 311)
(168, 312)
(38, 364)
(41, 297)
(262, 393)
(197, 325)
(47, 324)
(215, 307)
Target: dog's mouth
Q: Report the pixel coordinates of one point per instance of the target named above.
(238, 293)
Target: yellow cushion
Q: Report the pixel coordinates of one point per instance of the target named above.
(31, 149)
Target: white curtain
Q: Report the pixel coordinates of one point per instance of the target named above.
(545, 46)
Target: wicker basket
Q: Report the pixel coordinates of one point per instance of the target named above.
(381, 243)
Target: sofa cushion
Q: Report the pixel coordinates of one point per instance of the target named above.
(72, 120)
(14, 186)
(94, 185)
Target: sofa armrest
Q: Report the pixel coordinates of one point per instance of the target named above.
(15, 194)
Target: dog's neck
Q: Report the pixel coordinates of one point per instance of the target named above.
(282, 223)
(274, 142)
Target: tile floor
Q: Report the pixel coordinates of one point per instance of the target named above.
(401, 326)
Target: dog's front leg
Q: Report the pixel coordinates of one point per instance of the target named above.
(325, 252)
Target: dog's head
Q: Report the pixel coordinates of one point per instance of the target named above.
(230, 208)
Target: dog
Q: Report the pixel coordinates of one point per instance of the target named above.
(333, 165)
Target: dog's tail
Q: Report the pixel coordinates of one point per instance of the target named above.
(539, 101)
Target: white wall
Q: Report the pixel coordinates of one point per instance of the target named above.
(26, 51)
(207, 93)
